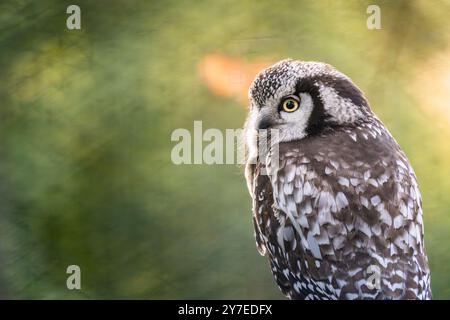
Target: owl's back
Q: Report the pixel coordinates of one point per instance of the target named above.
(341, 217)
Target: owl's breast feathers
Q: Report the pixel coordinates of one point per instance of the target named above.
(339, 208)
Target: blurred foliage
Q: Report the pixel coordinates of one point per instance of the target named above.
(86, 118)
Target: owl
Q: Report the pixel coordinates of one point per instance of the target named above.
(336, 205)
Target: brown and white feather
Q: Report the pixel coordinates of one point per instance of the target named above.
(336, 203)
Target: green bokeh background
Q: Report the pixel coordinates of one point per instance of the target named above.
(86, 118)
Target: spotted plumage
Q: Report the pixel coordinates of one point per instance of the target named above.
(338, 213)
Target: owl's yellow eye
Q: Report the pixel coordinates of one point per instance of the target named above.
(290, 105)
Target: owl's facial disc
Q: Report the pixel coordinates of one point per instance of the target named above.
(304, 98)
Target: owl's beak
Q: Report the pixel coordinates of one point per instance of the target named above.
(265, 121)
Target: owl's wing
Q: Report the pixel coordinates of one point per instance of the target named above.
(261, 205)
(265, 222)
(343, 220)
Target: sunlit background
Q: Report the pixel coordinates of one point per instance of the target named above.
(86, 118)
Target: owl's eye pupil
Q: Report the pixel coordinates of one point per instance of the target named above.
(290, 104)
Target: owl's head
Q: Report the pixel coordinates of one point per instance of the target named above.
(302, 99)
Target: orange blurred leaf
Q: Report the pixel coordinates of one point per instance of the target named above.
(229, 76)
